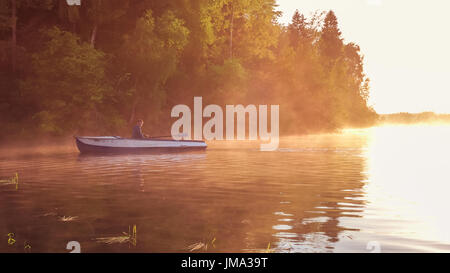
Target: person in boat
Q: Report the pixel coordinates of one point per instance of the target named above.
(137, 130)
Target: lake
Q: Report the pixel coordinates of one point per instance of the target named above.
(378, 189)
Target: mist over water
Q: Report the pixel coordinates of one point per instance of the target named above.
(316, 193)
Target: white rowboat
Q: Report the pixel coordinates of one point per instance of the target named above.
(113, 144)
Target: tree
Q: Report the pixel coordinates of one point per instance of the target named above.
(100, 12)
(297, 29)
(108, 61)
(247, 29)
(331, 42)
(69, 13)
(9, 18)
(68, 83)
(150, 55)
(258, 32)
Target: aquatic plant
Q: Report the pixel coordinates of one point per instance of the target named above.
(11, 240)
(26, 247)
(133, 235)
(48, 214)
(202, 245)
(130, 237)
(114, 240)
(67, 218)
(12, 181)
(268, 250)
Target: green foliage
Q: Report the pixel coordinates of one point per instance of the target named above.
(244, 29)
(150, 55)
(229, 81)
(69, 80)
(97, 67)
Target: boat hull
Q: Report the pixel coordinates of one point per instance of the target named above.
(93, 145)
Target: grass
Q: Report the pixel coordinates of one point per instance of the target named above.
(268, 250)
(67, 218)
(11, 239)
(27, 247)
(12, 181)
(130, 237)
(202, 246)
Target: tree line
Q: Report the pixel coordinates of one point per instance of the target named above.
(97, 67)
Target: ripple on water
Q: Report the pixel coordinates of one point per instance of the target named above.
(315, 194)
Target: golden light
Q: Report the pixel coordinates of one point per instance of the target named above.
(409, 181)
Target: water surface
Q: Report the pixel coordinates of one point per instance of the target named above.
(385, 187)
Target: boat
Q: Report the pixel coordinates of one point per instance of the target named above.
(116, 144)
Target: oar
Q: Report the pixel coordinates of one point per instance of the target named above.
(177, 135)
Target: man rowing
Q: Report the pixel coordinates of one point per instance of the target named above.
(137, 130)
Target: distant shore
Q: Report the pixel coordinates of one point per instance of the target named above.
(38, 141)
(414, 118)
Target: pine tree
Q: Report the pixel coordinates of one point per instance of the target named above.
(298, 28)
(331, 42)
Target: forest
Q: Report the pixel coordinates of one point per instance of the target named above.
(95, 68)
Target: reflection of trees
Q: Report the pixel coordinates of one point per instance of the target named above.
(244, 203)
(325, 199)
(237, 196)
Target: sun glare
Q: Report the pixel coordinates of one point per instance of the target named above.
(404, 177)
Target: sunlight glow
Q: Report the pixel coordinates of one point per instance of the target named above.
(406, 58)
(404, 178)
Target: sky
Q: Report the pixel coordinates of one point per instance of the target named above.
(406, 48)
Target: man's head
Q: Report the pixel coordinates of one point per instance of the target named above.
(140, 122)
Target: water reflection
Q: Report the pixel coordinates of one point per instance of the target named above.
(320, 193)
(408, 180)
